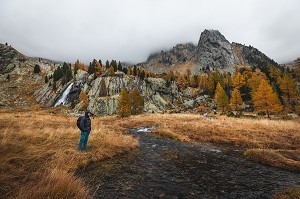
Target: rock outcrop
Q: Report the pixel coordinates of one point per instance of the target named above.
(11, 58)
(214, 50)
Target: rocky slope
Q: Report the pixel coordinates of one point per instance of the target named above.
(213, 51)
(17, 80)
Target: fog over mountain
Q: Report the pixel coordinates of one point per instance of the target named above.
(130, 30)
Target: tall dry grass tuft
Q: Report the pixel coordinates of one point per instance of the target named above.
(33, 143)
(57, 184)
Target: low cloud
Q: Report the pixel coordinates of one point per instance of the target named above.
(130, 30)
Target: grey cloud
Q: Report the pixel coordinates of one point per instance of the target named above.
(129, 30)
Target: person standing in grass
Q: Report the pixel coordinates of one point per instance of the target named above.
(85, 127)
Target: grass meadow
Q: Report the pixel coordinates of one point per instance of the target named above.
(39, 148)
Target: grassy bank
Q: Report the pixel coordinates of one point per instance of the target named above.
(39, 149)
(273, 142)
(39, 154)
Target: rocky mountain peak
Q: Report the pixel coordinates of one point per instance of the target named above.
(214, 50)
(212, 36)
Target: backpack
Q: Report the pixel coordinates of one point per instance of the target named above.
(78, 122)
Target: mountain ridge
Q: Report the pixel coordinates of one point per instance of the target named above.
(212, 51)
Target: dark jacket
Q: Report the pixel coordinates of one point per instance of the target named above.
(85, 122)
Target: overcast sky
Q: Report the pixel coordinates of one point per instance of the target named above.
(129, 30)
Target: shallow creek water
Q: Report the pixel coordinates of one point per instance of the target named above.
(165, 168)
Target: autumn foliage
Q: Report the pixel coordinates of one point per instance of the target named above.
(265, 99)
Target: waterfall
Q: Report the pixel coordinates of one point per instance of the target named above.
(63, 97)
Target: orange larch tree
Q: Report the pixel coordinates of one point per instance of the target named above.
(265, 99)
(236, 100)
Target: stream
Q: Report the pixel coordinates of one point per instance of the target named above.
(165, 168)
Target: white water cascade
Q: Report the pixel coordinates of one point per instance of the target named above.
(62, 99)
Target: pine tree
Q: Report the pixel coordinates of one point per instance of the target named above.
(120, 68)
(46, 79)
(111, 71)
(137, 102)
(222, 100)
(84, 99)
(107, 65)
(265, 99)
(134, 70)
(129, 71)
(188, 72)
(37, 69)
(192, 81)
(236, 100)
(181, 81)
(238, 80)
(103, 90)
(289, 89)
(217, 91)
(142, 75)
(123, 107)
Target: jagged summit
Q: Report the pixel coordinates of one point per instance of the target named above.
(213, 51)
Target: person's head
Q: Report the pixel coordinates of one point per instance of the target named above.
(87, 113)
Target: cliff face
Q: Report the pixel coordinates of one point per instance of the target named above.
(213, 51)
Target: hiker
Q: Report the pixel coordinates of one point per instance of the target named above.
(85, 127)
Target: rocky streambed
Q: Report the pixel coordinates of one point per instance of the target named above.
(165, 168)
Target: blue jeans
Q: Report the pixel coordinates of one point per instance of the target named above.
(83, 140)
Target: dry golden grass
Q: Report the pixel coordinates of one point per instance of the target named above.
(290, 193)
(39, 147)
(273, 142)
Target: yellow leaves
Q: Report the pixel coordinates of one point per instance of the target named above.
(265, 99)
(236, 100)
(84, 99)
(181, 81)
(123, 108)
(238, 80)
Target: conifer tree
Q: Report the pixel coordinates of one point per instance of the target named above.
(238, 80)
(84, 99)
(210, 84)
(111, 71)
(181, 81)
(129, 71)
(217, 91)
(142, 75)
(123, 107)
(192, 81)
(236, 100)
(222, 100)
(46, 79)
(203, 83)
(288, 87)
(134, 70)
(37, 69)
(107, 64)
(137, 102)
(120, 68)
(103, 90)
(265, 99)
